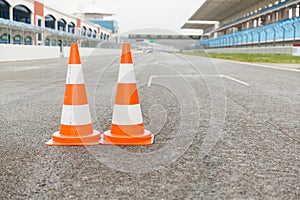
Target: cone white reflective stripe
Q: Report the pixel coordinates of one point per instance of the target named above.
(126, 74)
(76, 115)
(127, 114)
(75, 74)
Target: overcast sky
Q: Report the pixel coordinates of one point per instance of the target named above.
(138, 14)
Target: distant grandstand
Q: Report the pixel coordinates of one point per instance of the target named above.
(163, 37)
(240, 23)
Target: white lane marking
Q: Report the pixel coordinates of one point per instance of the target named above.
(264, 66)
(167, 76)
(236, 80)
(25, 68)
(150, 80)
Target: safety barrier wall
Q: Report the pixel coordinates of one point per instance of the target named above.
(286, 30)
(84, 52)
(254, 50)
(10, 52)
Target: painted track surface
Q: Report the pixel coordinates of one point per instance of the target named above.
(240, 141)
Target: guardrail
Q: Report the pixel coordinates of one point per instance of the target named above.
(254, 50)
(10, 52)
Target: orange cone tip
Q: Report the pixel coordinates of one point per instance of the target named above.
(74, 54)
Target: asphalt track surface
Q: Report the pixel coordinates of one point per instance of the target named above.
(224, 130)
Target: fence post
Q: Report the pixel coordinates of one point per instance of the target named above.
(252, 38)
(266, 35)
(283, 38)
(258, 38)
(293, 25)
(8, 36)
(274, 41)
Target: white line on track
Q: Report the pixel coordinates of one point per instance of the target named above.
(236, 80)
(25, 68)
(264, 66)
(167, 76)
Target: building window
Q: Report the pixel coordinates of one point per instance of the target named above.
(47, 42)
(71, 28)
(50, 21)
(39, 37)
(39, 22)
(89, 33)
(83, 32)
(22, 14)
(17, 39)
(53, 42)
(61, 25)
(28, 40)
(4, 39)
(4, 9)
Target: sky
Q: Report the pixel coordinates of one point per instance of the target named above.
(138, 14)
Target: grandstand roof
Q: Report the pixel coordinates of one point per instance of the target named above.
(204, 26)
(217, 10)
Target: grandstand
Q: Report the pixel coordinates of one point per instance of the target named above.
(240, 23)
(161, 37)
(30, 22)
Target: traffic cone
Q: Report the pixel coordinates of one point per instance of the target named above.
(127, 123)
(76, 124)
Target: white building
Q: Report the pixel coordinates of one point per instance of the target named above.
(30, 22)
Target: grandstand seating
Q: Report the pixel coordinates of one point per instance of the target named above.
(288, 29)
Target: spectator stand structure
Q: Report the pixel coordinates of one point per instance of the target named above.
(255, 23)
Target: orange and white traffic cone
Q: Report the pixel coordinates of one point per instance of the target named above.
(76, 123)
(127, 123)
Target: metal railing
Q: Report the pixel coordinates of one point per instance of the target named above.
(13, 28)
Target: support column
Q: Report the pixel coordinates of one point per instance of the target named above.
(78, 31)
(251, 24)
(294, 11)
(269, 19)
(286, 13)
(217, 25)
(264, 19)
(38, 14)
(280, 15)
(11, 16)
(244, 25)
(276, 16)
